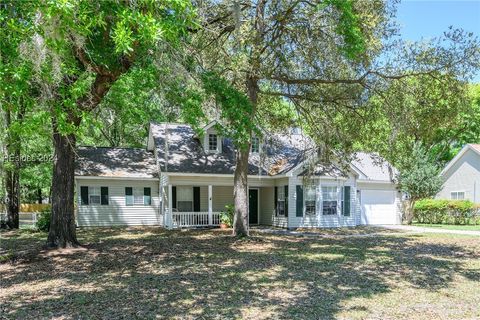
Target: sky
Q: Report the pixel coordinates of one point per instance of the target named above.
(429, 18)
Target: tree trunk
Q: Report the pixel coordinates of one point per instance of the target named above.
(12, 173)
(62, 231)
(39, 195)
(409, 212)
(13, 198)
(240, 179)
(240, 194)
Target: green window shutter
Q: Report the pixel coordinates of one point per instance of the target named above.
(174, 197)
(196, 199)
(147, 196)
(299, 201)
(275, 199)
(129, 196)
(286, 201)
(84, 196)
(346, 201)
(104, 196)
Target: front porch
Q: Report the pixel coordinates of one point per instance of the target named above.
(190, 206)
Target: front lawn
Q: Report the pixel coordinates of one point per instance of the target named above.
(150, 272)
(449, 226)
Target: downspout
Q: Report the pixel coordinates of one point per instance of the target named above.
(474, 191)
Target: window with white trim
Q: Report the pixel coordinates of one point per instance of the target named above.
(138, 196)
(94, 195)
(255, 144)
(281, 201)
(212, 142)
(457, 195)
(310, 200)
(329, 200)
(184, 199)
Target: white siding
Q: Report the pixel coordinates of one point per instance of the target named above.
(221, 196)
(267, 208)
(463, 176)
(117, 213)
(215, 180)
(320, 220)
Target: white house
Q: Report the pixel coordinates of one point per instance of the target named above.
(461, 176)
(185, 180)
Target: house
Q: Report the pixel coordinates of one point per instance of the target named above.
(185, 179)
(461, 176)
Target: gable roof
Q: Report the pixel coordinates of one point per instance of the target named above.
(179, 150)
(471, 146)
(115, 162)
(475, 146)
(373, 167)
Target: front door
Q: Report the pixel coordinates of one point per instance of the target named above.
(253, 206)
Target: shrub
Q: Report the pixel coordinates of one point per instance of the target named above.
(436, 211)
(227, 215)
(43, 221)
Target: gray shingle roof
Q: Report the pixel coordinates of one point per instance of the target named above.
(374, 167)
(115, 162)
(186, 154)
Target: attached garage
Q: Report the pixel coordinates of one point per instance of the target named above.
(378, 207)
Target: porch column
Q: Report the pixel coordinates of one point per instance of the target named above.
(210, 211)
(169, 216)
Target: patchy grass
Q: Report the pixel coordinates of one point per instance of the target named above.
(151, 272)
(348, 231)
(449, 226)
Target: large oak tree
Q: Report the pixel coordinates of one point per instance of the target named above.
(327, 58)
(82, 48)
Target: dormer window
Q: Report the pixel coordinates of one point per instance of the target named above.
(212, 142)
(255, 145)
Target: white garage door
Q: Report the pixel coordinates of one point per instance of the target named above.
(378, 207)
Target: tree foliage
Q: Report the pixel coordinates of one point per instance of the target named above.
(337, 63)
(426, 109)
(79, 50)
(419, 179)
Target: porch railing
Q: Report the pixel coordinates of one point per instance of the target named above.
(194, 219)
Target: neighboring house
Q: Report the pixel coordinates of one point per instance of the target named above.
(462, 175)
(185, 180)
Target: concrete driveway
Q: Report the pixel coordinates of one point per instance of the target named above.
(429, 230)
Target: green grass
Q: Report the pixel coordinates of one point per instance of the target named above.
(147, 273)
(449, 226)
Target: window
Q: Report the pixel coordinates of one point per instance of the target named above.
(212, 142)
(93, 195)
(457, 195)
(255, 145)
(310, 196)
(185, 199)
(329, 200)
(281, 201)
(138, 196)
